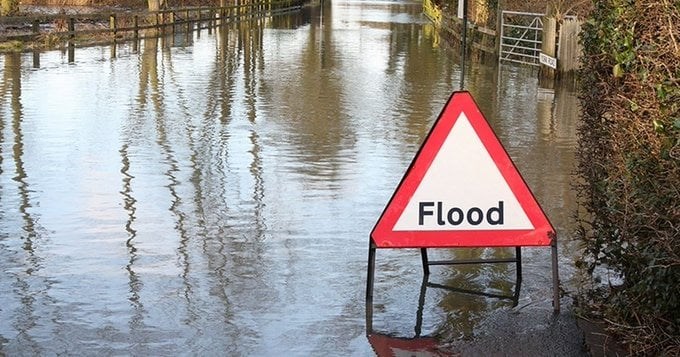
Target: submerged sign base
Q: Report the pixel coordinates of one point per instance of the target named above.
(462, 190)
(517, 259)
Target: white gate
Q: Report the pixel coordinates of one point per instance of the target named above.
(521, 37)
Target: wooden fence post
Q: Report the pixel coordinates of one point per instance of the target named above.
(209, 25)
(112, 25)
(36, 59)
(136, 27)
(548, 47)
(499, 23)
(71, 28)
(114, 32)
(198, 23)
(172, 21)
(71, 36)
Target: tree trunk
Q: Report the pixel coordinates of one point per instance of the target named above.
(155, 5)
(8, 7)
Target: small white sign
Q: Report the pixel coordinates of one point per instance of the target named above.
(547, 60)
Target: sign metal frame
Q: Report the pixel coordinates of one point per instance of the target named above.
(384, 236)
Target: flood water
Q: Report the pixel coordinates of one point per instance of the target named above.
(213, 193)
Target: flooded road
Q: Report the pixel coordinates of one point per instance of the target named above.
(213, 193)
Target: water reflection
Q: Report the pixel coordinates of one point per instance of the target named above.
(475, 289)
(214, 194)
(18, 246)
(466, 301)
(384, 344)
(12, 78)
(137, 320)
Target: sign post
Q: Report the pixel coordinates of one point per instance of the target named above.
(462, 190)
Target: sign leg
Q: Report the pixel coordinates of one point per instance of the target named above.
(421, 306)
(518, 257)
(371, 273)
(369, 287)
(556, 277)
(426, 262)
(518, 281)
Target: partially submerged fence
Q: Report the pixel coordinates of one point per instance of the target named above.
(519, 37)
(137, 25)
(479, 37)
(451, 28)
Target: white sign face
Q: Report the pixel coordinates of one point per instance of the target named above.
(548, 60)
(463, 189)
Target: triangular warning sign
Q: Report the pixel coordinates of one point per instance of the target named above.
(462, 190)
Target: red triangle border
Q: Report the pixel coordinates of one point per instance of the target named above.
(383, 235)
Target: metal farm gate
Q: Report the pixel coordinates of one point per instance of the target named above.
(522, 35)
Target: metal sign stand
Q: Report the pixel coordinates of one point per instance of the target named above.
(517, 259)
(384, 235)
(421, 301)
(372, 249)
(555, 273)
